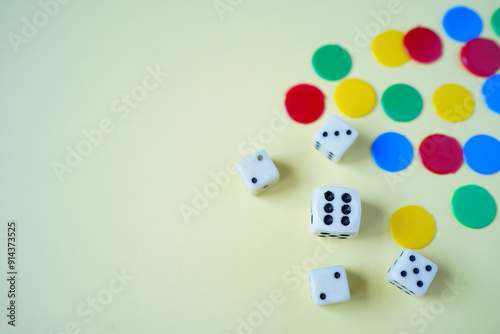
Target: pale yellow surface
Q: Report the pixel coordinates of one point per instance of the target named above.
(120, 206)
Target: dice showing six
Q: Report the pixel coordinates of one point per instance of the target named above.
(335, 212)
(411, 272)
(258, 172)
(328, 285)
(334, 138)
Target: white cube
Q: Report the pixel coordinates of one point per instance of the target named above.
(411, 273)
(334, 138)
(335, 212)
(328, 285)
(258, 172)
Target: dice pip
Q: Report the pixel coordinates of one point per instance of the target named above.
(411, 273)
(328, 285)
(258, 172)
(335, 212)
(334, 138)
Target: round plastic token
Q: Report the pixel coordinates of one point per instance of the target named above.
(423, 45)
(473, 206)
(401, 102)
(453, 103)
(441, 154)
(388, 48)
(495, 21)
(304, 103)
(412, 227)
(462, 24)
(355, 97)
(481, 56)
(491, 93)
(392, 151)
(482, 154)
(331, 62)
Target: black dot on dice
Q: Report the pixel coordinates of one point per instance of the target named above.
(254, 180)
(328, 220)
(428, 268)
(403, 273)
(346, 209)
(325, 134)
(416, 271)
(321, 235)
(337, 275)
(420, 283)
(346, 198)
(348, 132)
(329, 196)
(345, 221)
(342, 238)
(328, 207)
(322, 296)
(344, 235)
(260, 157)
(412, 258)
(337, 133)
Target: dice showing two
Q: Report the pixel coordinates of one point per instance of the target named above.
(257, 172)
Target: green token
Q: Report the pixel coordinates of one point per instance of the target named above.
(495, 22)
(331, 62)
(402, 103)
(473, 206)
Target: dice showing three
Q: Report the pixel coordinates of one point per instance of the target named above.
(334, 138)
(411, 273)
(328, 285)
(335, 212)
(258, 172)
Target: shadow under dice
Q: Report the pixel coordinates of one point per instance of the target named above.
(334, 138)
(257, 172)
(335, 212)
(411, 273)
(328, 285)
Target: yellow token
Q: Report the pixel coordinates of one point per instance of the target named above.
(355, 97)
(388, 48)
(453, 103)
(412, 227)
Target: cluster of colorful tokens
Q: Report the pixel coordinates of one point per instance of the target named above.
(439, 153)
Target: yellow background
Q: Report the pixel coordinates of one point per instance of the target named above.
(120, 208)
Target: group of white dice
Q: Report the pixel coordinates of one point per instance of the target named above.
(336, 213)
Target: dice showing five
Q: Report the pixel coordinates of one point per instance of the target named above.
(258, 172)
(411, 272)
(335, 212)
(328, 285)
(334, 138)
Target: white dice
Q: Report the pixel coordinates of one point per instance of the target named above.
(411, 273)
(334, 138)
(328, 285)
(335, 212)
(258, 172)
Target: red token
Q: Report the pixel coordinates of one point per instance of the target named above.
(441, 154)
(423, 45)
(481, 56)
(304, 103)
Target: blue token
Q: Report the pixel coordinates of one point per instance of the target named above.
(462, 24)
(392, 151)
(491, 93)
(482, 154)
